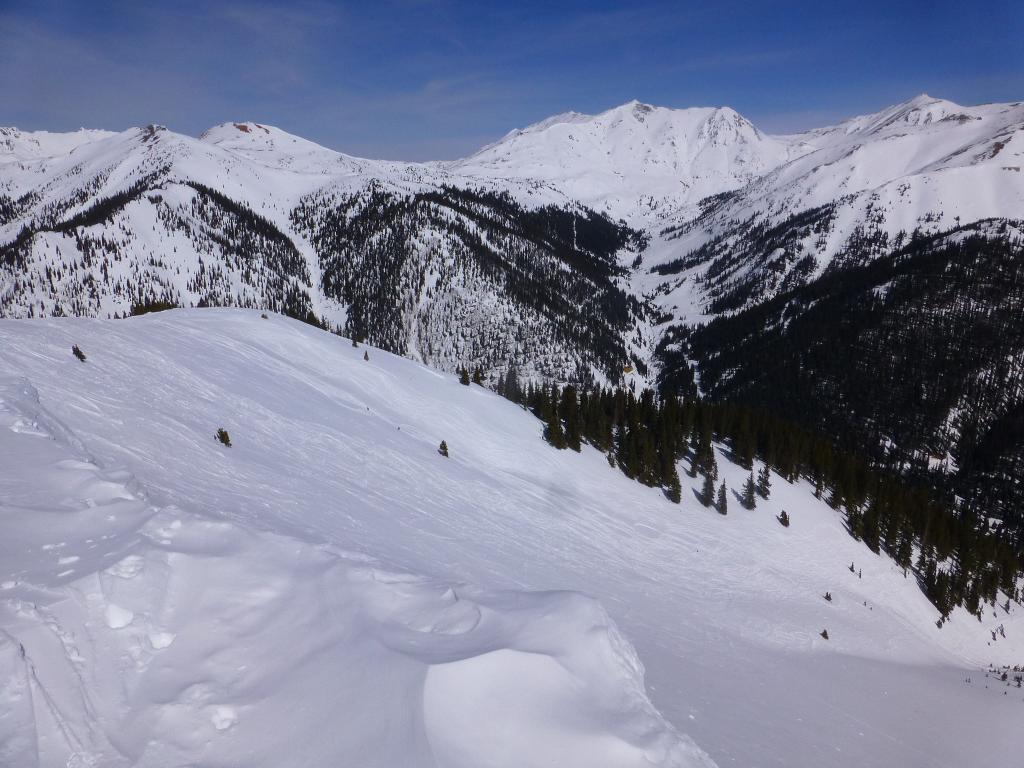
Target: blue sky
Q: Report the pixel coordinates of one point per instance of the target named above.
(426, 79)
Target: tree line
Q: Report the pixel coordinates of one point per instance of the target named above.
(956, 559)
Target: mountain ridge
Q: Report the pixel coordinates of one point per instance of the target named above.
(690, 178)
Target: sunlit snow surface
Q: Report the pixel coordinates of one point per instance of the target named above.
(332, 591)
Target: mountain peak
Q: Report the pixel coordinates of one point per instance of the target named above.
(239, 131)
(274, 147)
(634, 152)
(919, 111)
(635, 109)
(639, 109)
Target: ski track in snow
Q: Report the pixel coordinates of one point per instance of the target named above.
(165, 600)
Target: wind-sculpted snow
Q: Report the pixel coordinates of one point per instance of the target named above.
(140, 634)
(331, 590)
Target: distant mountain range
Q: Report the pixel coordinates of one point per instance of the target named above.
(697, 182)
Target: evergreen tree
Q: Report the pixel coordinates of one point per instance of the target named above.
(764, 482)
(707, 494)
(744, 443)
(675, 488)
(463, 376)
(366, 355)
(478, 376)
(569, 411)
(554, 432)
(722, 503)
(443, 449)
(784, 519)
(695, 456)
(78, 353)
(513, 391)
(704, 454)
(749, 493)
(223, 437)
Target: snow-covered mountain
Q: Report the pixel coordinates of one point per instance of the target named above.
(330, 590)
(637, 162)
(394, 253)
(853, 191)
(834, 255)
(704, 183)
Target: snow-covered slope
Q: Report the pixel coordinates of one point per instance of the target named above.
(330, 590)
(17, 146)
(635, 161)
(925, 156)
(275, 148)
(925, 165)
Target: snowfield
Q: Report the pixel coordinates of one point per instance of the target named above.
(636, 161)
(331, 591)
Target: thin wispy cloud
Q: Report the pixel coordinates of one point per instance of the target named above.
(411, 78)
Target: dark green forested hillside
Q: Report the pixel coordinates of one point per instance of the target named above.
(915, 360)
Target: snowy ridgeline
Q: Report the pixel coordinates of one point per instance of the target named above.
(331, 590)
(92, 222)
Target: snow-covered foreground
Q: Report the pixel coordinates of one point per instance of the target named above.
(332, 591)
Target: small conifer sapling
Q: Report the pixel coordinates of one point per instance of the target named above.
(223, 437)
(443, 449)
(78, 353)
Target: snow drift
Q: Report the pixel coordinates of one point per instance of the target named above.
(151, 633)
